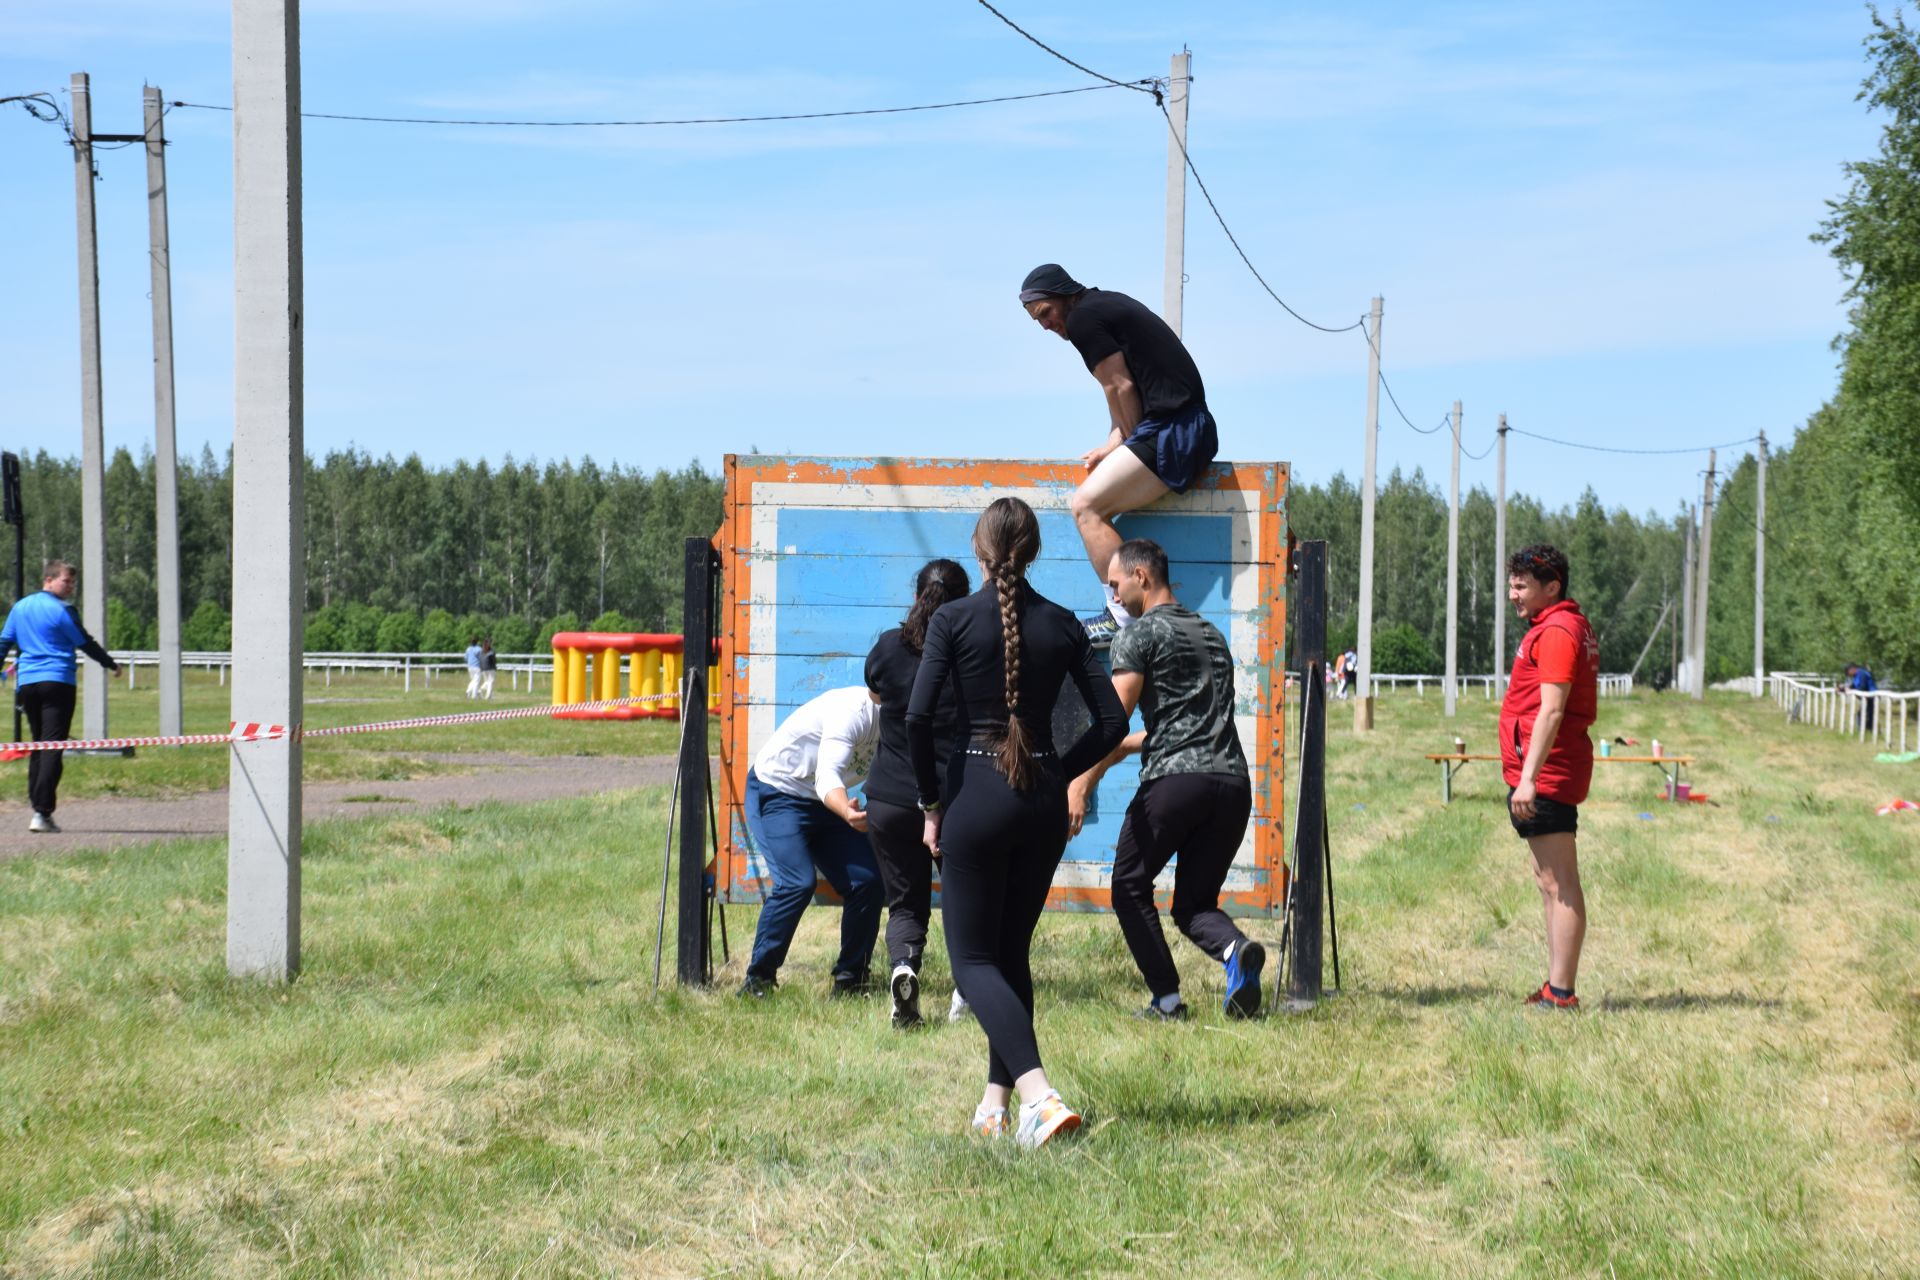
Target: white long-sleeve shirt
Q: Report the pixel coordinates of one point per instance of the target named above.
(826, 744)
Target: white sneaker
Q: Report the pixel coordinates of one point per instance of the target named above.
(989, 1122)
(959, 1010)
(43, 824)
(1040, 1121)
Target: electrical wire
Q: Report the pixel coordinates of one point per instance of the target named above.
(635, 124)
(43, 107)
(1142, 86)
(1603, 448)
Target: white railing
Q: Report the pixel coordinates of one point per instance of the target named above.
(514, 667)
(1879, 717)
(1614, 686)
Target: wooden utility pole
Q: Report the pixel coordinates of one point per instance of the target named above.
(1700, 579)
(1179, 89)
(166, 503)
(1760, 573)
(1363, 700)
(1500, 605)
(269, 511)
(1452, 683)
(94, 681)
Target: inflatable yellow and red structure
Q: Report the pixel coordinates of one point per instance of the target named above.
(586, 669)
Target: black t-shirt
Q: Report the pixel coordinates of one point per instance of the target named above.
(891, 667)
(965, 646)
(1103, 322)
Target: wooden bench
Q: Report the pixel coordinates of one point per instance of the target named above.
(1670, 767)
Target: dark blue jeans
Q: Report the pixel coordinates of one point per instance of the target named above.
(796, 838)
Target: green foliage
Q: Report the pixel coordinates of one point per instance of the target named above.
(513, 635)
(564, 622)
(124, 629)
(440, 633)
(400, 632)
(611, 620)
(1402, 650)
(207, 628)
(321, 636)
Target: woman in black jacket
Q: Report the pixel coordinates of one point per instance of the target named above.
(894, 825)
(998, 819)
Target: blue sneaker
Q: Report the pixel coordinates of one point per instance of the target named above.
(1243, 980)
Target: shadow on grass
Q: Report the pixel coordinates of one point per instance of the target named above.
(1461, 993)
(1470, 993)
(1182, 1112)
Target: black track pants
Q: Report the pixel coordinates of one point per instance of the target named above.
(906, 869)
(1202, 817)
(999, 848)
(48, 706)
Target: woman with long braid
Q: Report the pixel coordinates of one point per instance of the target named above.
(998, 819)
(894, 825)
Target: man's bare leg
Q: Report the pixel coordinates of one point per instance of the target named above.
(1558, 876)
(1121, 483)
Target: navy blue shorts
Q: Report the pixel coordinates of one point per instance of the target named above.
(1176, 449)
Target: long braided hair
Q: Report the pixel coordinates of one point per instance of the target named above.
(937, 582)
(1006, 541)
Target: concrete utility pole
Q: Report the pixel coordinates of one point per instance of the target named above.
(1363, 701)
(1453, 571)
(1700, 580)
(1179, 89)
(94, 682)
(263, 814)
(1683, 668)
(1760, 573)
(166, 507)
(1500, 606)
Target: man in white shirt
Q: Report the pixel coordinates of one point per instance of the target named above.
(805, 827)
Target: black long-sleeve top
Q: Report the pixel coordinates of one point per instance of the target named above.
(964, 644)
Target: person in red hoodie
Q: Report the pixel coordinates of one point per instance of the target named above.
(1551, 699)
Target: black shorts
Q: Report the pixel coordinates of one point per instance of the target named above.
(1176, 449)
(1550, 817)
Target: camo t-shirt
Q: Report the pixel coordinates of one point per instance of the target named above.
(1187, 700)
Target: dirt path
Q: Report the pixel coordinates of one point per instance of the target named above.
(113, 822)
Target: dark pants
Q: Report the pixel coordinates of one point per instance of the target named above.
(906, 869)
(998, 851)
(1202, 817)
(48, 705)
(794, 837)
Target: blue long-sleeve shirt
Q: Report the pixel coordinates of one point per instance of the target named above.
(46, 631)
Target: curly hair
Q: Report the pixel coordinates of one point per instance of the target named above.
(1543, 563)
(937, 582)
(1006, 540)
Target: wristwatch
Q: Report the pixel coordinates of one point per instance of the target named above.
(926, 807)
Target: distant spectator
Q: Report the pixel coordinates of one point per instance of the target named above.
(474, 652)
(489, 665)
(1860, 680)
(44, 628)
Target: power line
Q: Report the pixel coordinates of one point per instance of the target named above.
(636, 124)
(1603, 448)
(1142, 86)
(1234, 240)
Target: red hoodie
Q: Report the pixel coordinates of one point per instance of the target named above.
(1568, 769)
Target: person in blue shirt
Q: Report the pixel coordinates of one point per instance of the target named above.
(1861, 680)
(46, 631)
(474, 664)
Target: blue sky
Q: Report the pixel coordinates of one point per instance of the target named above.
(1592, 218)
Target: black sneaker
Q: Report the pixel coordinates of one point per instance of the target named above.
(1154, 1013)
(756, 987)
(851, 984)
(1100, 629)
(905, 987)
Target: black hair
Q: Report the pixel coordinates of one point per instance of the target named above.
(937, 582)
(1136, 553)
(1542, 562)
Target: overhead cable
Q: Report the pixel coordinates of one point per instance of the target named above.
(1604, 448)
(1142, 86)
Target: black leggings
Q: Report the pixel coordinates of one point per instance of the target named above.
(999, 848)
(1201, 817)
(48, 705)
(906, 869)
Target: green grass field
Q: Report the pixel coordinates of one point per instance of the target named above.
(473, 1076)
(355, 699)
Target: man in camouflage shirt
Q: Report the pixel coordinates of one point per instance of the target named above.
(1194, 797)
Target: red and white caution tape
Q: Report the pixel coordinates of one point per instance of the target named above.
(256, 731)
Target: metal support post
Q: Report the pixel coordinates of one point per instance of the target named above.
(699, 614)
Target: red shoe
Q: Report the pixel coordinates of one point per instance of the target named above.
(1544, 999)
